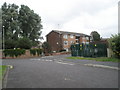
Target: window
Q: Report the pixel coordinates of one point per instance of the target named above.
(71, 42)
(71, 36)
(87, 38)
(76, 41)
(83, 42)
(65, 36)
(65, 42)
(83, 38)
(87, 42)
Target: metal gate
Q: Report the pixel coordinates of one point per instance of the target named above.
(89, 50)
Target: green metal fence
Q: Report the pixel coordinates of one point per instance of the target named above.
(89, 50)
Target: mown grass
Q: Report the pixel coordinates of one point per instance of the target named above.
(104, 59)
(2, 71)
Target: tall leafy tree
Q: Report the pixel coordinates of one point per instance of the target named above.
(20, 23)
(10, 24)
(95, 36)
(10, 21)
(30, 23)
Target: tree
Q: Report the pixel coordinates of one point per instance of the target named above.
(114, 43)
(46, 47)
(24, 43)
(95, 36)
(10, 25)
(10, 44)
(30, 23)
(20, 23)
(10, 21)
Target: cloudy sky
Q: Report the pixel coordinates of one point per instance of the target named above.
(82, 16)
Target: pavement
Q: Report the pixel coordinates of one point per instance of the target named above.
(59, 72)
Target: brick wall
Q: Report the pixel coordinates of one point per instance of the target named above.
(55, 41)
(27, 55)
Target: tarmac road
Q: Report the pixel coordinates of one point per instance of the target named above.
(58, 72)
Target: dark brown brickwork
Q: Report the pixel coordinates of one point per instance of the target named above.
(55, 41)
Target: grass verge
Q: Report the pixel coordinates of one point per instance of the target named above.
(105, 59)
(3, 68)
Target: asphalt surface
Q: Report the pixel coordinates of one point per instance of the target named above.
(59, 72)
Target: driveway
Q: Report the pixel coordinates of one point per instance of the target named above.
(59, 72)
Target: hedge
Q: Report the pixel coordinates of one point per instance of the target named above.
(36, 51)
(14, 52)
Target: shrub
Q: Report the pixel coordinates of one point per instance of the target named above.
(33, 52)
(19, 52)
(46, 47)
(36, 51)
(114, 43)
(13, 52)
(39, 52)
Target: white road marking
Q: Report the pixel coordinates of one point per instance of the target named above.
(66, 78)
(41, 60)
(65, 63)
(102, 66)
(35, 59)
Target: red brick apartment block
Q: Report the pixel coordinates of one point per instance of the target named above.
(62, 40)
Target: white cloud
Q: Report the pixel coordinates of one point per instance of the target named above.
(105, 22)
(81, 16)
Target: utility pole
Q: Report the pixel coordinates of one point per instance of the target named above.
(58, 26)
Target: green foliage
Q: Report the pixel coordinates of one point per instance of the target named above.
(33, 52)
(36, 51)
(46, 47)
(39, 52)
(24, 43)
(114, 44)
(10, 44)
(19, 52)
(20, 22)
(29, 23)
(95, 35)
(14, 52)
(10, 23)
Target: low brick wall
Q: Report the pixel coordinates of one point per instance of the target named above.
(27, 55)
(61, 53)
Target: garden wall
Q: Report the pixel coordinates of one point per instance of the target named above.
(26, 55)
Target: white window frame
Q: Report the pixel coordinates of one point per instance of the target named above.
(71, 36)
(87, 38)
(65, 42)
(83, 38)
(65, 36)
